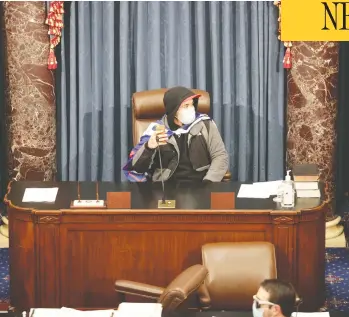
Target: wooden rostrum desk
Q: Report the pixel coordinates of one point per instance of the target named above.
(67, 257)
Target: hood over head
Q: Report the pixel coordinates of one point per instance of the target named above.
(173, 98)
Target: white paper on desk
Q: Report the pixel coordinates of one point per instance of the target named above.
(39, 195)
(44, 312)
(70, 312)
(251, 191)
(139, 309)
(271, 187)
(316, 314)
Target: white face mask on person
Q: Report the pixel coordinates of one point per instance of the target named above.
(257, 312)
(186, 115)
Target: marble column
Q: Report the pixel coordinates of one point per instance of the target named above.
(31, 117)
(312, 111)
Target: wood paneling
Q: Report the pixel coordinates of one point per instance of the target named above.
(72, 257)
(23, 270)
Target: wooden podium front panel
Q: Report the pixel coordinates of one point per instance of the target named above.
(95, 256)
(23, 269)
(72, 257)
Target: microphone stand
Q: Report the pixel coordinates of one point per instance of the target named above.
(162, 177)
(163, 203)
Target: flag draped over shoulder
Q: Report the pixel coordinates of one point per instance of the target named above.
(132, 175)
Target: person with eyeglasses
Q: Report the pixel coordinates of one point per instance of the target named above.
(275, 298)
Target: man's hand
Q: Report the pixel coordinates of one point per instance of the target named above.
(159, 137)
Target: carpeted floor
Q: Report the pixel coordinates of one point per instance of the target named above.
(4, 277)
(337, 279)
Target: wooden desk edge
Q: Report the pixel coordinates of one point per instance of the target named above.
(101, 211)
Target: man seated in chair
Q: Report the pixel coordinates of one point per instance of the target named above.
(275, 298)
(189, 143)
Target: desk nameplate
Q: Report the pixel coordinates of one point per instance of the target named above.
(223, 201)
(118, 200)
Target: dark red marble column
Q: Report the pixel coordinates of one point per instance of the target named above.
(312, 109)
(31, 100)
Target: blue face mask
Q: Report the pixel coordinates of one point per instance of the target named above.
(257, 312)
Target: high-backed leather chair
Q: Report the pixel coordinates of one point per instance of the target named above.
(174, 295)
(235, 271)
(148, 106)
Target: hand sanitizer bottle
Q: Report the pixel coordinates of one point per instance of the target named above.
(287, 200)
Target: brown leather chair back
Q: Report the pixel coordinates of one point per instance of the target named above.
(184, 285)
(236, 270)
(148, 106)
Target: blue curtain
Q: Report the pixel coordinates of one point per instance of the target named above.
(110, 50)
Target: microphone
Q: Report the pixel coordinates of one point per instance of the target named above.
(160, 128)
(163, 203)
(161, 172)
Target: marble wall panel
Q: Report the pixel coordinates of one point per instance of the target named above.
(312, 109)
(31, 117)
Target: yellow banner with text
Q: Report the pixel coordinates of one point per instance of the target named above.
(314, 20)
